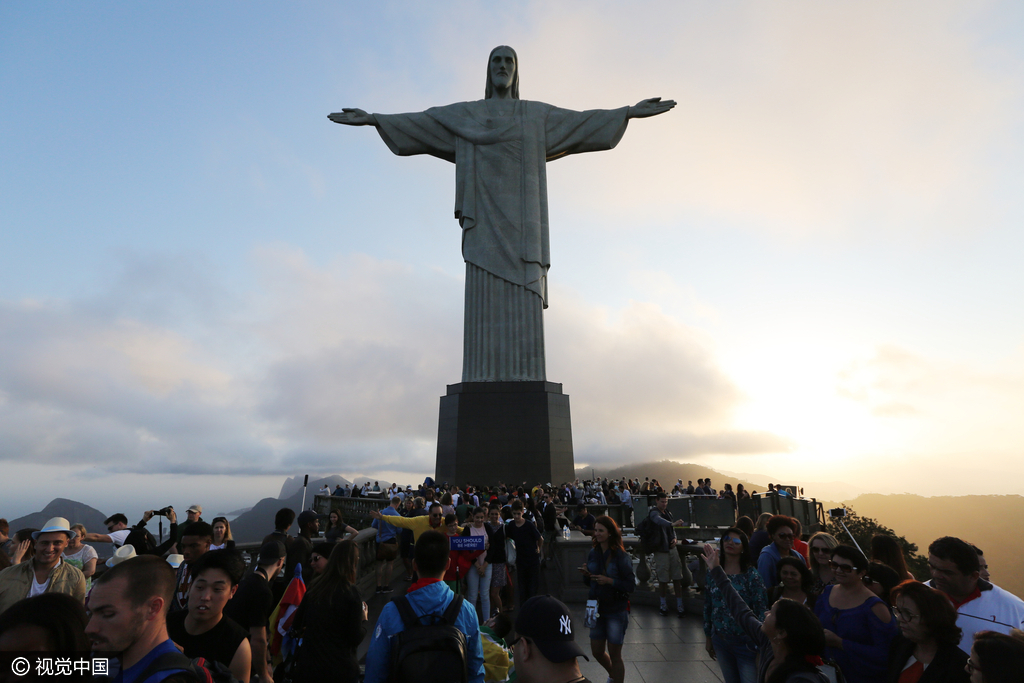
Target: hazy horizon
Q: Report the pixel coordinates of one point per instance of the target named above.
(218, 494)
(809, 267)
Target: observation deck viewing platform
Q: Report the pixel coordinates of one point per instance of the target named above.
(657, 648)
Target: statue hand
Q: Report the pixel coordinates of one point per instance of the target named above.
(651, 107)
(353, 117)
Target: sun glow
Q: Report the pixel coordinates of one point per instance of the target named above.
(792, 390)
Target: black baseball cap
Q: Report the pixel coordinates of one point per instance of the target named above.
(307, 516)
(548, 623)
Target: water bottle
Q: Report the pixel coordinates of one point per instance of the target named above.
(565, 532)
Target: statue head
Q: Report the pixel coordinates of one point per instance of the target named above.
(502, 65)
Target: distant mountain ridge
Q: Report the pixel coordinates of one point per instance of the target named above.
(75, 512)
(292, 485)
(668, 471)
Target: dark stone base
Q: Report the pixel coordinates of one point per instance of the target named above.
(512, 432)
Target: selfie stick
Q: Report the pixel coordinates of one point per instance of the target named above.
(851, 535)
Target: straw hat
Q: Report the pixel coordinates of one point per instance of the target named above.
(56, 524)
(125, 552)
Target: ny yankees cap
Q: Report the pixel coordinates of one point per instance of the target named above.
(548, 623)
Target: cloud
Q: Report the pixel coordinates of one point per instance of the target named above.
(905, 383)
(939, 406)
(636, 446)
(796, 119)
(636, 368)
(321, 367)
(644, 385)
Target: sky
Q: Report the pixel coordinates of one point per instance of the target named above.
(808, 269)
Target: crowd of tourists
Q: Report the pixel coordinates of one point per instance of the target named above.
(779, 605)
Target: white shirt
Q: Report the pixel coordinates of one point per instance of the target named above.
(39, 588)
(995, 610)
(118, 537)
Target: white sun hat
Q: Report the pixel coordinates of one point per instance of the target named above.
(125, 552)
(56, 524)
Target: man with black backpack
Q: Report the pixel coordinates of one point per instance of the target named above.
(429, 635)
(670, 566)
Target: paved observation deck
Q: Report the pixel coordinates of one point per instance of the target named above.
(657, 649)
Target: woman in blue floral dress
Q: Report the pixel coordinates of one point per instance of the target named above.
(725, 639)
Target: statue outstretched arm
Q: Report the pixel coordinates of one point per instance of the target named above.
(640, 110)
(358, 117)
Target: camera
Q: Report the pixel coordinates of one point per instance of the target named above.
(836, 513)
(164, 512)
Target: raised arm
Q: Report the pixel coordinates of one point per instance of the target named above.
(394, 520)
(750, 624)
(358, 117)
(643, 108)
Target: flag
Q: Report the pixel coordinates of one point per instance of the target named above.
(283, 615)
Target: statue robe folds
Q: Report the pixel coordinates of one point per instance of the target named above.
(501, 202)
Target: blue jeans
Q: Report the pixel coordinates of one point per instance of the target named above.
(735, 656)
(477, 585)
(611, 627)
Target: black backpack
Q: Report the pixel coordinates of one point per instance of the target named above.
(649, 534)
(433, 653)
(200, 669)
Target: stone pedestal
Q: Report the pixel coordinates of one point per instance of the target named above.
(504, 431)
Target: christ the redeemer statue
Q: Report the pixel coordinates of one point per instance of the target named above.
(500, 146)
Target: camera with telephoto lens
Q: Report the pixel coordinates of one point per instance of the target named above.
(164, 512)
(836, 513)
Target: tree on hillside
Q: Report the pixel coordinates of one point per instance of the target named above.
(863, 528)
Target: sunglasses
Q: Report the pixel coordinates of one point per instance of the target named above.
(836, 567)
(734, 540)
(316, 558)
(971, 666)
(784, 536)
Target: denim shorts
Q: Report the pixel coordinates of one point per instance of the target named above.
(611, 627)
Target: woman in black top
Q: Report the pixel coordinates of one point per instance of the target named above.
(337, 529)
(332, 619)
(496, 557)
(927, 649)
(222, 534)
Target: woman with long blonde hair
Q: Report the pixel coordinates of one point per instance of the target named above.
(819, 548)
(222, 534)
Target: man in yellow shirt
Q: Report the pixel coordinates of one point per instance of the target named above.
(431, 522)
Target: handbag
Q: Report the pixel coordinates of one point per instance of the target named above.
(510, 551)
